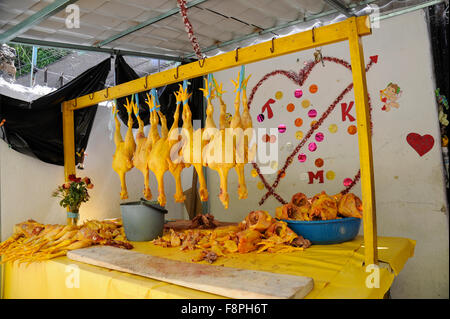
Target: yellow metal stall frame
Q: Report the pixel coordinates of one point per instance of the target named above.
(351, 29)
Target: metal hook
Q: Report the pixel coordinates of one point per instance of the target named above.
(176, 77)
(313, 37)
(272, 49)
(107, 94)
(236, 57)
(146, 85)
(202, 64)
(92, 96)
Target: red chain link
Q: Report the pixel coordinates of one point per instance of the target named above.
(189, 29)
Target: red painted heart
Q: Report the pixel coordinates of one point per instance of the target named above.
(421, 144)
(300, 78)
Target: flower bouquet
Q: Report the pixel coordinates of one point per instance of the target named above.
(72, 194)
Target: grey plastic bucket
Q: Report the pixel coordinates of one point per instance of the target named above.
(143, 220)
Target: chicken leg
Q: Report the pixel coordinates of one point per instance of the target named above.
(123, 156)
(239, 145)
(222, 160)
(192, 147)
(143, 148)
(176, 165)
(157, 161)
(247, 126)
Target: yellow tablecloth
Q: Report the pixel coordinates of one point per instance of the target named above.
(337, 270)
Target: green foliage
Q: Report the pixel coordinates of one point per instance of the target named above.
(45, 57)
(73, 193)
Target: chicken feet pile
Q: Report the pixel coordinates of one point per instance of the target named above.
(33, 241)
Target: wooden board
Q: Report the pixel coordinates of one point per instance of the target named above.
(224, 281)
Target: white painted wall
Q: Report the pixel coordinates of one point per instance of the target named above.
(410, 197)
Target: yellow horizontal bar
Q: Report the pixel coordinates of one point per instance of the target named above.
(281, 46)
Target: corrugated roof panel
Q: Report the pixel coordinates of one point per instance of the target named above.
(121, 10)
(148, 5)
(167, 5)
(147, 42)
(94, 18)
(213, 21)
(206, 16)
(165, 32)
(89, 5)
(22, 5)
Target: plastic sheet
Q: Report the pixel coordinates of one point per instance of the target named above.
(337, 270)
(35, 128)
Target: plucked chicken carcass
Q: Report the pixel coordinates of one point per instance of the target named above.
(175, 162)
(140, 158)
(191, 150)
(259, 220)
(323, 207)
(157, 159)
(249, 153)
(238, 139)
(320, 207)
(349, 205)
(218, 152)
(123, 156)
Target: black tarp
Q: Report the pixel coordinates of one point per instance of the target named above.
(124, 73)
(35, 128)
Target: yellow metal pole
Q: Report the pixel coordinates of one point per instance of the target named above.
(69, 144)
(293, 43)
(365, 142)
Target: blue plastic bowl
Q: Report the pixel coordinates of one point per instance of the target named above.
(324, 232)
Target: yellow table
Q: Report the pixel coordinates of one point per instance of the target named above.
(337, 270)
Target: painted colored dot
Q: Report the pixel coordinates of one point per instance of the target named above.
(312, 113)
(260, 118)
(306, 103)
(290, 107)
(313, 123)
(298, 93)
(333, 128)
(272, 139)
(313, 88)
(301, 157)
(289, 147)
(298, 122)
(299, 135)
(318, 162)
(279, 95)
(347, 182)
(283, 174)
(254, 173)
(330, 175)
(266, 138)
(274, 164)
(260, 185)
(319, 137)
(312, 146)
(351, 130)
(281, 128)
